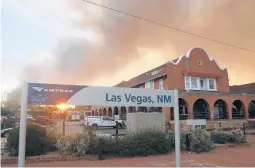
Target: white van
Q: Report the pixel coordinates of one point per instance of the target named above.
(100, 121)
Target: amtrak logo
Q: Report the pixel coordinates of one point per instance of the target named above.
(37, 89)
(41, 89)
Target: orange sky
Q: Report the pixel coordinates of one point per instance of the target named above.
(124, 47)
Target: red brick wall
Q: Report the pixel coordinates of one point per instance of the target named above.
(175, 72)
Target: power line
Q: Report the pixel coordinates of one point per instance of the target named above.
(163, 25)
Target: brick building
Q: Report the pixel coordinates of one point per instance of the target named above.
(204, 91)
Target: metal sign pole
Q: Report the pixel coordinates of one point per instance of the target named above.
(177, 130)
(23, 125)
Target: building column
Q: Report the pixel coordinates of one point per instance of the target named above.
(166, 111)
(190, 111)
(246, 111)
(229, 110)
(119, 110)
(211, 113)
(107, 112)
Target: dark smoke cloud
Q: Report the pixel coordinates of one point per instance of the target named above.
(81, 61)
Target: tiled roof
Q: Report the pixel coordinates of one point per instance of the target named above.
(246, 88)
(144, 77)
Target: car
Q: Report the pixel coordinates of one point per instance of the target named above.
(3, 118)
(6, 132)
(30, 117)
(43, 120)
(100, 121)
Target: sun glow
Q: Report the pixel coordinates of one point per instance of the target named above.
(65, 106)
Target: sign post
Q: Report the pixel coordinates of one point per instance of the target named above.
(177, 130)
(23, 126)
(52, 94)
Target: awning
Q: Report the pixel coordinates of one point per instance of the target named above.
(201, 74)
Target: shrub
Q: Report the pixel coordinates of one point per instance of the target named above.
(234, 136)
(221, 137)
(93, 141)
(35, 141)
(200, 141)
(77, 144)
(147, 142)
(171, 139)
(126, 146)
(141, 143)
(52, 136)
(237, 136)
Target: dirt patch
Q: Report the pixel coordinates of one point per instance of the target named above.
(224, 157)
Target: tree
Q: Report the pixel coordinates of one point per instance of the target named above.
(6, 112)
(12, 99)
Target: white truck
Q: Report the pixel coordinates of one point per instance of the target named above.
(101, 121)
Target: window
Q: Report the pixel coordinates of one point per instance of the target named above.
(193, 83)
(212, 84)
(152, 84)
(183, 110)
(160, 84)
(104, 118)
(198, 83)
(187, 82)
(202, 82)
(149, 84)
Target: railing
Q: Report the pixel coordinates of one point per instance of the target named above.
(201, 115)
(220, 116)
(181, 117)
(237, 115)
(251, 114)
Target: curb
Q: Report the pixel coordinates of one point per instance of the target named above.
(36, 159)
(231, 145)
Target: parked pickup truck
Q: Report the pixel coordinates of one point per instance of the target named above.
(101, 121)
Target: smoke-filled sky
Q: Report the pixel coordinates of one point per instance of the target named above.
(73, 42)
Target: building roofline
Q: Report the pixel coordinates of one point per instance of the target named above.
(174, 62)
(187, 55)
(148, 80)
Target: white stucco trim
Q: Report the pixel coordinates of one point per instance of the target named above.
(187, 55)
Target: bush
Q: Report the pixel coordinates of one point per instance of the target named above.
(149, 142)
(77, 144)
(35, 141)
(234, 136)
(237, 136)
(141, 143)
(52, 136)
(171, 138)
(9, 123)
(93, 141)
(221, 137)
(200, 141)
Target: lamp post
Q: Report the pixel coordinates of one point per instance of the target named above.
(63, 108)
